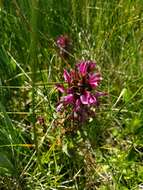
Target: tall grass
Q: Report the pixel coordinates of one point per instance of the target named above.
(108, 155)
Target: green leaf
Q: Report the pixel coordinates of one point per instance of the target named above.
(6, 167)
(65, 149)
(126, 95)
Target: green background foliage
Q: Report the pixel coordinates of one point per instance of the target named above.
(107, 153)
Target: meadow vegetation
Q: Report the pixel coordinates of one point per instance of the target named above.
(42, 149)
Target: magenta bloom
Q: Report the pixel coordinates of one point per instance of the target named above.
(80, 95)
(64, 45)
(85, 67)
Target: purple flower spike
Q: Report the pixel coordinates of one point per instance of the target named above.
(80, 94)
(63, 43)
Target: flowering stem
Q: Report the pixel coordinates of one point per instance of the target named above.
(80, 94)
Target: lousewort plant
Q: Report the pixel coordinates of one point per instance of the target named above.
(80, 95)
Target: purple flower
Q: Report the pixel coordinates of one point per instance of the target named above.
(60, 88)
(67, 76)
(94, 79)
(69, 99)
(82, 67)
(80, 94)
(86, 66)
(88, 99)
(63, 43)
(84, 98)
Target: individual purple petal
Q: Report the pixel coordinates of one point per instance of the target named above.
(94, 79)
(86, 66)
(77, 105)
(85, 97)
(68, 99)
(67, 76)
(59, 107)
(92, 99)
(60, 88)
(82, 67)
